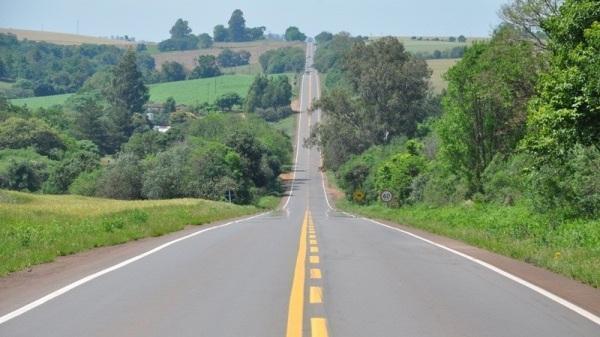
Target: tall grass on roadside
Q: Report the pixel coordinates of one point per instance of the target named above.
(37, 228)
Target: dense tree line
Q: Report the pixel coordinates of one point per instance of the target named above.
(230, 58)
(277, 61)
(517, 124)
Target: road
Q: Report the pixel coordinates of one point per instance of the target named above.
(306, 270)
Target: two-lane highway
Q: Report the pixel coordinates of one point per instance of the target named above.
(305, 270)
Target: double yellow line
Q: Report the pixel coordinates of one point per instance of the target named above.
(308, 241)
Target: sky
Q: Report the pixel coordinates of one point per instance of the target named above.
(151, 20)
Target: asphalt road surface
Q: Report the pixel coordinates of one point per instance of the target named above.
(306, 270)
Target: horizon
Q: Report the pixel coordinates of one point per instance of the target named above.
(468, 18)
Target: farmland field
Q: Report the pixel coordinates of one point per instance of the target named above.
(184, 92)
(62, 38)
(439, 68)
(423, 46)
(38, 228)
(256, 48)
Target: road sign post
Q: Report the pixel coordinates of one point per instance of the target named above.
(386, 196)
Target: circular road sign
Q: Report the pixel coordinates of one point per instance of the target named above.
(386, 196)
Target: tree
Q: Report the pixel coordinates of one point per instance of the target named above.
(220, 34)
(281, 60)
(172, 71)
(122, 179)
(529, 16)
(566, 112)
(268, 92)
(452, 39)
(170, 105)
(3, 69)
(167, 175)
(237, 26)
(255, 33)
(227, 101)
(462, 39)
(180, 29)
(323, 37)
(205, 41)
(485, 107)
(294, 34)
(127, 95)
(229, 58)
(19, 133)
(89, 120)
(206, 67)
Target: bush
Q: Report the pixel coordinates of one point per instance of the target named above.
(65, 172)
(23, 175)
(274, 114)
(206, 67)
(229, 58)
(227, 101)
(86, 183)
(122, 179)
(166, 175)
(18, 133)
(397, 174)
(277, 61)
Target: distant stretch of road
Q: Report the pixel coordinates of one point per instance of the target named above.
(305, 270)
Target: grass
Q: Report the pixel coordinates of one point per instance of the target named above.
(201, 90)
(439, 68)
(571, 249)
(185, 92)
(423, 46)
(38, 228)
(287, 125)
(42, 101)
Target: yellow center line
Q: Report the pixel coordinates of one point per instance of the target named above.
(318, 327)
(314, 249)
(314, 259)
(315, 273)
(312, 240)
(316, 295)
(296, 305)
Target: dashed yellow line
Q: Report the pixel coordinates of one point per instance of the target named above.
(318, 327)
(296, 305)
(314, 259)
(316, 295)
(313, 242)
(314, 249)
(315, 273)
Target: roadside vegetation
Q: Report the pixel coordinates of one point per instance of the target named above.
(506, 158)
(38, 228)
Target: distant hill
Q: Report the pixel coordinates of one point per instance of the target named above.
(62, 38)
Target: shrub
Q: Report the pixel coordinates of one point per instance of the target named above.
(122, 179)
(166, 174)
(23, 175)
(274, 114)
(17, 133)
(396, 175)
(86, 183)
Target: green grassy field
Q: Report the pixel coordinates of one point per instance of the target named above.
(423, 46)
(571, 248)
(38, 228)
(439, 68)
(184, 92)
(287, 125)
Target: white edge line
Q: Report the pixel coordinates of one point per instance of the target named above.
(287, 201)
(91, 277)
(504, 273)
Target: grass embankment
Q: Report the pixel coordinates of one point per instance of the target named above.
(37, 228)
(571, 248)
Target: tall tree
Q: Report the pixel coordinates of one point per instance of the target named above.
(180, 29)
(89, 120)
(485, 107)
(567, 111)
(127, 95)
(237, 26)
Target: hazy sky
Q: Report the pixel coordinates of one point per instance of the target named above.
(151, 19)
